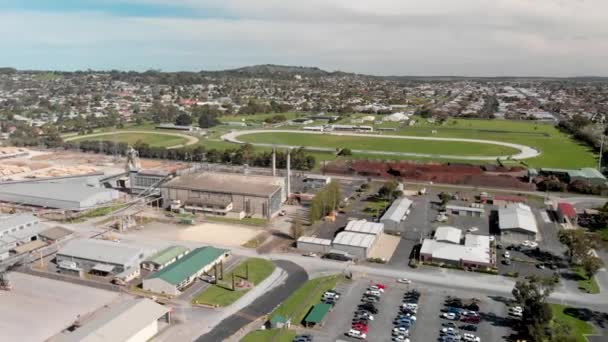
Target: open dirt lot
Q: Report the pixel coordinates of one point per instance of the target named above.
(385, 247)
(209, 233)
(38, 308)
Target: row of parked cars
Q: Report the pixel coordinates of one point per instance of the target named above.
(406, 316)
(468, 316)
(365, 311)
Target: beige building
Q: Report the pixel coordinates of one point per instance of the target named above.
(226, 194)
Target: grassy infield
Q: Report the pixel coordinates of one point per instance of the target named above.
(558, 150)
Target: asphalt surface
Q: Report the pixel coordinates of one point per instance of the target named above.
(296, 275)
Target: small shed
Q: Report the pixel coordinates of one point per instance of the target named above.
(317, 314)
(280, 322)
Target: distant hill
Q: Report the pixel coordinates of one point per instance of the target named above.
(276, 70)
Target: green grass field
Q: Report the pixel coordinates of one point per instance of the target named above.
(256, 118)
(220, 294)
(578, 327)
(307, 295)
(152, 139)
(274, 335)
(586, 284)
(379, 144)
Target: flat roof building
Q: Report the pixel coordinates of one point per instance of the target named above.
(475, 253)
(395, 214)
(73, 196)
(173, 278)
(18, 229)
(464, 211)
(313, 244)
(135, 320)
(102, 255)
(227, 194)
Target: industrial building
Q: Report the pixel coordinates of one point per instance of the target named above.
(55, 234)
(18, 230)
(475, 253)
(314, 244)
(74, 196)
(173, 278)
(226, 194)
(135, 320)
(396, 213)
(364, 227)
(448, 234)
(147, 181)
(101, 256)
(587, 175)
(517, 223)
(465, 211)
(356, 244)
(164, 258)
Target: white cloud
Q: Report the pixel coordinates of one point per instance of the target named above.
(414, 37)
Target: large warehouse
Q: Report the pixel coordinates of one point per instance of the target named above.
(72, 196)
(17, 230)
(356, 244)
(102, 255)
(164, 258)
(517, 223)
(395, 214)
(227, 194)
(135, 320)
(173, 278)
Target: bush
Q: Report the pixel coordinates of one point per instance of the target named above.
(377, 260)
(512, 274)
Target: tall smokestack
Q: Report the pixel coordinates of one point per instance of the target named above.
(274, 161)
(288, 173)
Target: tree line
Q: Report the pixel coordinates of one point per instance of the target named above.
(325, 201)
(244, 154)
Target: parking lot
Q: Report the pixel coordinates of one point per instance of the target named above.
(494, 324)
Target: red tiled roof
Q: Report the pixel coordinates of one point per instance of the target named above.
(567, 209)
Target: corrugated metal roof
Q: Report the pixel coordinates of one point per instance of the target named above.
(9, 222)
(355, 239)
(318, 313)
(262, 186)
(397, 210)
(463, 208)
(103, 251)
(167, 254)
(118, 323)
(188, 265)
(314, 240)
(448, 234)
(60, 191)
(516, 217)
(363, 226)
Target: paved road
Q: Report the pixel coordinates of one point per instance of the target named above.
(190, 140)
(525, 152)
(261, 306)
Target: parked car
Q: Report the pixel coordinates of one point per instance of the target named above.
(357, 334)
(404, 281)
(400, 331)
(448, 331)
(506, 261)
(540, 266)
(310, 254)
(449, 315)
(302, 338)
(471, 319)
(369, 307)
(506, 254)
(470, 338)
(469, 327)
(449, 325)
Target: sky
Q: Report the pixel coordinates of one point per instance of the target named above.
(379, 37)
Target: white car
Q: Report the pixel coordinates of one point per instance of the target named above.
(533, 244)
(404, 281)
(516, 308)
(375, 288)
(401, 331)
(448, 331)
(492, 238)
(471, 338)
(506, 254)
(412, 306)
(526, 243)
(472, 229)
(357, 334)
(400, 338)
(449, 315)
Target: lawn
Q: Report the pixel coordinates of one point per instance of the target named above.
(375, 207)
(257, 118)
(221, 295)
(552, 143)
(379, 144)
(152, 139)
(274, 335)
(585, 283)
(305, 297)
(579, 327)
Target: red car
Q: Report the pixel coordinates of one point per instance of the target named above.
(381, 286)
(471, 319)
(361, 328)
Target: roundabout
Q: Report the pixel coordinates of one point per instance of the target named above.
(394, 145)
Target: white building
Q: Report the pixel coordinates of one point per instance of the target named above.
(314, 244)
(364, 227)
(448, 234)
(102, 255)
(475, 253)
(396, 213)
(517, 222)
(356, 244)
(135, 320)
